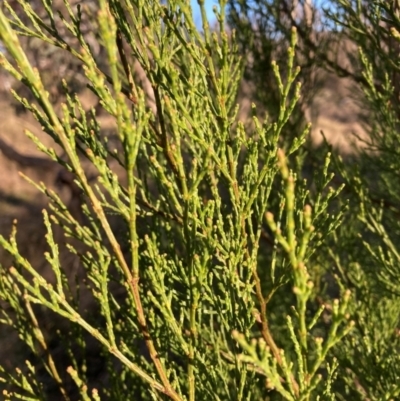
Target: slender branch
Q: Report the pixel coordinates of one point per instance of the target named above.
(40, 338)
(135, 277)
(164, 136)
(132, 94)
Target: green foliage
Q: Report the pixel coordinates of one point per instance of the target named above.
(206, 267)
(364, 248)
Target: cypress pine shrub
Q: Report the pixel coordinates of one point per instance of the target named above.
(225, 262)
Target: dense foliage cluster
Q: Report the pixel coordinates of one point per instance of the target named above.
(231, 260)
